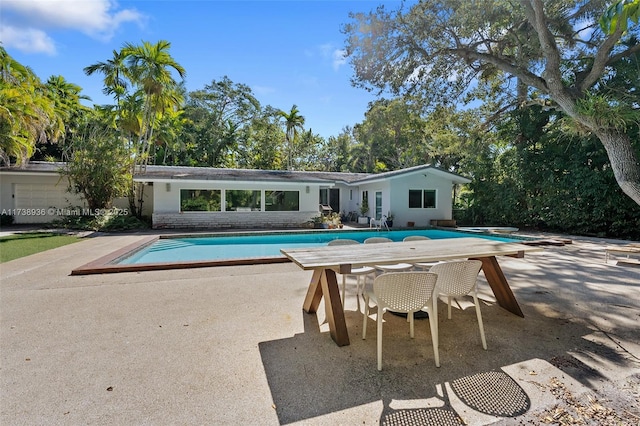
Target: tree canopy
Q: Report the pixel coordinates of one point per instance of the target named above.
(549, 52)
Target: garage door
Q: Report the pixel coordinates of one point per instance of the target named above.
(37, 203)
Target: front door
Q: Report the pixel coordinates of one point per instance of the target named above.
(334, 199)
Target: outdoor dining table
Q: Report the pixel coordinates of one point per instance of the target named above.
(326, 261)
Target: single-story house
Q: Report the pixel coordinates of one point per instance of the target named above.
(202, 197)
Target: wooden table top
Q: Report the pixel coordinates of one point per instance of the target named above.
(345, 257)
(626, 248)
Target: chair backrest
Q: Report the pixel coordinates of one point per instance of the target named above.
(456, 278)
(404, 291)
(342, 242)
(415, 238)
(378, 240)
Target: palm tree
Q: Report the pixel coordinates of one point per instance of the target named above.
(66, 104)
(147, 70)
(149, 67)
(293, 123)
(25, 111)
(115, 75)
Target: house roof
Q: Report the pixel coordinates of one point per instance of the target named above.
(35, 167)
(163, 173)
(158, 173)
(456, 178)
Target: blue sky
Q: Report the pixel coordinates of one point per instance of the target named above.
(288, 52)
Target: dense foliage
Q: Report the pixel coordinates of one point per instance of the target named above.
(532, 165)
(550, 180)
(550, 52)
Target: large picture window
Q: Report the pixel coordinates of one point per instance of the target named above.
(242, 200)
(200, 200)
(422, 198)
(282, 201)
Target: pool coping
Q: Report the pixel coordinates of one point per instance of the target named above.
(107, 264)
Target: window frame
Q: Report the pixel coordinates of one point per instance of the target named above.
(256, 196)
(425, 196)
(205, 199)
(268, 196)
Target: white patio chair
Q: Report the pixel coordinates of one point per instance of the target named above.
(363, 271)
(404, 292)
(396, 267)
(456, 279)
(424, 266)
(415, 238)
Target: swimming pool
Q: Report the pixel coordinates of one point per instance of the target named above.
(264, 245)
(175, 252)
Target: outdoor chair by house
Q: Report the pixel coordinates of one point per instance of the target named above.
(397, 267)
(404, 292)
(457, 279)
(363, 271)
(425, 266)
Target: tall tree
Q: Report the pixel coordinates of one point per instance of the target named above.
(294, 123)
(140, 77)
(149, 68)
(116, 75)
(263, 146)
(555, 48)
(67, 109)
(28, 113)
(336, 152)
(394, 134)
(219, 115)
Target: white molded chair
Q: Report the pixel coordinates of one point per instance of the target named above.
(415, 238)
(396, 267)
(363, 271)
(405, 292)
(456, 279)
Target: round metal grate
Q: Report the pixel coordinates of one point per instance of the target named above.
(493, 392)
(422, 417)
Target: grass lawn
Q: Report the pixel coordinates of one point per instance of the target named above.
(20, 245)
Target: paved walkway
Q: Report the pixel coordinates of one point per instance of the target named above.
(231, 346)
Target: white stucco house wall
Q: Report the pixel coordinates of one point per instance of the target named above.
(38, 193)
(200, 197)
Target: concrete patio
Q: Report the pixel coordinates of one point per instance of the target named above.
(231, 345)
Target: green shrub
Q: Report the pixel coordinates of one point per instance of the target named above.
(103, 222)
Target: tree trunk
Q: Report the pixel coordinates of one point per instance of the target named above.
(624, 161)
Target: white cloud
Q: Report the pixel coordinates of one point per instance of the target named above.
(339, 58)
(29, 40)
(96, 18)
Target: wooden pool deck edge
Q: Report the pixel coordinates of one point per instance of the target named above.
(107, 264)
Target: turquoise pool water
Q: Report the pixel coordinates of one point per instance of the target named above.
(265, 245)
